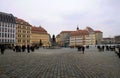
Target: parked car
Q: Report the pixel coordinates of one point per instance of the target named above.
(117, 50)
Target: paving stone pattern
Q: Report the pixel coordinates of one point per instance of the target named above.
(60, 63)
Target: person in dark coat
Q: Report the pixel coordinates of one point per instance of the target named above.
(13, 48)
(83, 49)
(2, 47)
(79, 48)
(17, 48)
(32, 48)
(23, 48)
(103, 48)
(28, 48)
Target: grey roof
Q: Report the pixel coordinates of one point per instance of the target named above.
(5, 17)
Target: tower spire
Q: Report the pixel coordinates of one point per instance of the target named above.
(77, 27)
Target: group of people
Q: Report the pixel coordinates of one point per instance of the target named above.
(29, 48)
(106, 47)
(23, 48)
(17, 48)
(81, 48)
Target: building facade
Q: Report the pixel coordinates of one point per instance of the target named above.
(62, 39)
(108, 40)
(79, 38)
(92, 35)
(87, 36)
(96, 36)
(7, 29)
(117, 39)
(23, 32)
(99, 37)
(40, 35)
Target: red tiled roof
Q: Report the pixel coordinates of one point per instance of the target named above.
(65, 32)
(98, 31)
(39, 30)
(21, 21)
(79, 32)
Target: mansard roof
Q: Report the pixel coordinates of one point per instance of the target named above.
(22, 22)
(65, 32)
(5, 17)
(98, 31)
(89, 29)
(39, 30)
(79, 32)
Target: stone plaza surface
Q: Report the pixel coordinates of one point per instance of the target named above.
(60, 63)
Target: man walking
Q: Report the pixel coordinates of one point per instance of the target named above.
(83, 49)
(28, 48)
(2, 47)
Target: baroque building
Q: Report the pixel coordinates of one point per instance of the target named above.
(39, 36)
(87, 36)
(79, 38)
(62, 39)
(117, 39)
(23, 32)
(96, 36)
(92, 35)
(7, 29)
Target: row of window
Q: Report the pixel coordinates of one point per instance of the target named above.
(7, 40)
(7, 26)
(7, 30)
(76, 42)
(4, 24)
(24, 27)
(24, 41)
(7, 35)
(80, 36)
(10, 25)
(72, 39)
(24, 36)
(79, 40)
(23, 31)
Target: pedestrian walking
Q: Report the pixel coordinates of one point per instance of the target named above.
(28, 48)
(32, 48)
(79, 48)
(13, 48)
(17, 48)
(107, 48)
(103, 48)
(23, 48)
(99, 48)
(2, 47)
(83, 49)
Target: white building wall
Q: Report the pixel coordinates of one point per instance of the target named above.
(78, 40)
(87, 40)
(92, 39)
(7, 32)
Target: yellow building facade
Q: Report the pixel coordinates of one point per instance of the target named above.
(23, 32)
(99, 36)
(62, 39)
(38, 35)
(79, 38)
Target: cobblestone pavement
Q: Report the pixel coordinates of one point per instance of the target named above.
(60, 63)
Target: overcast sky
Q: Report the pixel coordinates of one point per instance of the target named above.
(59, 15)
